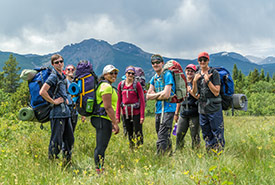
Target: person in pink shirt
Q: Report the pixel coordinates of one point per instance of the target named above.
(131, 102)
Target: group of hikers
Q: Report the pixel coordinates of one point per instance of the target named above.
(201, 108)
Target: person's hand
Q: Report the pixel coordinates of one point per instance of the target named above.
(189, 89)
(141, 120)
(207, 77)
(58, 101)
(115, 128)
(176, 117)
(117, 120)
(67, 101)
(197, 77)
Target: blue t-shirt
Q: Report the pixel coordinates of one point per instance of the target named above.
(61, 110)
(159, 86)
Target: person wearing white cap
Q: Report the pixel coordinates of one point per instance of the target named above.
(104, 119)
(207, 84)
(189, 116)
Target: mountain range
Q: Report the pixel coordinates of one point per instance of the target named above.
(123, 54)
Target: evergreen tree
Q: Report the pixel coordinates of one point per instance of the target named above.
(1, 80)
(240, 84)
(235, 73)
(267, 78)
(254, 76)
(262, 76)
(273, 77)
(11, 78)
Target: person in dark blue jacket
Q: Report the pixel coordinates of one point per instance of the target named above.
(60, 116)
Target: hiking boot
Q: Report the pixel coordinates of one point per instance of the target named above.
(99, 171)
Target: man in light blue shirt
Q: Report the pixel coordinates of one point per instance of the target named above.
(162, 86)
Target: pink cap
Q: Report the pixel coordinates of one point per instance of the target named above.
(191, 66)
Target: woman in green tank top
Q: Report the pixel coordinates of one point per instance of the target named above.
(105, 123)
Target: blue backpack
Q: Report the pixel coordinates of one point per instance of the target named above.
(227, 87)
(40, 106)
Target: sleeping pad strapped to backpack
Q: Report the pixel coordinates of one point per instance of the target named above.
(83, 88)
(39, 105)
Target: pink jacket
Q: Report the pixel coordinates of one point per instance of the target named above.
(132, 98)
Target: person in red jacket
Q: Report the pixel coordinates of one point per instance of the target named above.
(131, 102)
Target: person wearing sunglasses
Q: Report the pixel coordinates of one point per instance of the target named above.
(207, 84)
(189, 116)
(104, 119)
(131, 101)
(161, 88)
(62, 137)
(69, 72)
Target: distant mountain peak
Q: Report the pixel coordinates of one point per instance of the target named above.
(224, 54)
(128, 48)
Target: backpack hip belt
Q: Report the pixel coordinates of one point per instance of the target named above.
(133, 106)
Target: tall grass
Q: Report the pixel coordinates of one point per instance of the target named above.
(248, 158)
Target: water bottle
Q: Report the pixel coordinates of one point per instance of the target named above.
(175, 129)
(90, 104)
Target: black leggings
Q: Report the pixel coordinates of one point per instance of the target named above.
(103, 135)
(134, 127)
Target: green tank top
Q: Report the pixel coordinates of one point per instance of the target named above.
(106, 88)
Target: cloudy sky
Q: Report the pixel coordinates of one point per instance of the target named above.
(173, 28)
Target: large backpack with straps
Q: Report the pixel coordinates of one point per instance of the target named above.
(139, 77)
(36, 78)
(83, 88)
(179, 78)
(227, 87)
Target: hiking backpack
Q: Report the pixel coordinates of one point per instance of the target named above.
(227, 87)
(139, 77)
(83, 88)
(36, 79)
(179, 78)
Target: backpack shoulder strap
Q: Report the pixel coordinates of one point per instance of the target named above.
(122, 85)
(135, 85)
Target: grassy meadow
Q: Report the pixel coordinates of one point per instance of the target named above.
(248, 158)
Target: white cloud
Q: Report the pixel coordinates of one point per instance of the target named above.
(181, 28)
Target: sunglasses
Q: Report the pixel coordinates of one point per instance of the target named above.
(156, 62)
(190, 71)
(130, 73)
(113, 73)
(70, 69)
(58, 61)
(203, 59)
